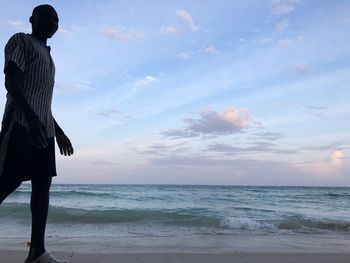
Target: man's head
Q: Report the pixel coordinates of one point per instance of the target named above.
(44, 21)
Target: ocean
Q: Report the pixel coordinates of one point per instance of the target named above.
(182, 210)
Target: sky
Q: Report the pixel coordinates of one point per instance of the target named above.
(225, 92)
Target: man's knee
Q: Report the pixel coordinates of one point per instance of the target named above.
(41, 183)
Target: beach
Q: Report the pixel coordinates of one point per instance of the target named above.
(177, 223)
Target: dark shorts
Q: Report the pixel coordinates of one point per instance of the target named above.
(19, 160)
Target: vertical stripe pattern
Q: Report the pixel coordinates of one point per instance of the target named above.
(33, 58)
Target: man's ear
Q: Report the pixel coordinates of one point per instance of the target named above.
(31, 20)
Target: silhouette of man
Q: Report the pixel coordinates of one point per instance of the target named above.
(27, 147)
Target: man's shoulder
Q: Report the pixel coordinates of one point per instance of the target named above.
(19, 38)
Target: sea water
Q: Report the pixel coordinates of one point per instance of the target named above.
(175, 210)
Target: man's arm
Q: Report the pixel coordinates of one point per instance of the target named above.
(58, 130)
(63, 141)
(13, 83)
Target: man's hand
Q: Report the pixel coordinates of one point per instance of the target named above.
(64, 145)
(36, 134)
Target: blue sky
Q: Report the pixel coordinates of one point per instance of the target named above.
(199, 92)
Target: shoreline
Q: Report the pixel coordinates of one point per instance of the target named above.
(207, 244)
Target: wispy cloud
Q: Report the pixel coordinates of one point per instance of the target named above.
(184, 55)
(187, 24)
(283, 7)
(63, 31)
(285, 41)
(100, 161)
(257, 147)
(266, 40)
(268, 135)
(317, 111)
(187, 18)
(18, 24)
(328, 147)
(300, 69)
(210, 50)
(282, 26)
(77, 87)
(162, 149)
(146, 81)
(121, 34)
(142, 83)
(179, 133)
(171, 30)
(115, 115)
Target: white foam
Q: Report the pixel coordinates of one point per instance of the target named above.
(241, 223)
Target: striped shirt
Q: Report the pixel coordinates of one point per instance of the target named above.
(33, 58)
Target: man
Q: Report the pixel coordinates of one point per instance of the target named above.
(27, 147)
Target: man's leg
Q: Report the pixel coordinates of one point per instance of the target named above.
(7, 187)
(39, 205)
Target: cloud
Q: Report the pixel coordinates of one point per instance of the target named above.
(333, 166)
(265, 40)
(187, 18)
(337, 158)
(161, 149)
(289, 41)
(201, 161)
(210, 50)
(212, 123)
(269, 135)
(231, 120)
(121, 34)
(179, 133)
(97, 161)
(282, 26)
(299, 69)
(63, 31)
(143, 83)
(285, 41)
(103, 162)
(257, 147)
(146, 81)
(20, 25)
(184, 55)
(171, 30)
(77, 87)
(328, 147)
(186, 25)
(317, 111)
(115, 115)
(283, 7)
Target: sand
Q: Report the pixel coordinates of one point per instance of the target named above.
(188, 249)
(8, 256)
